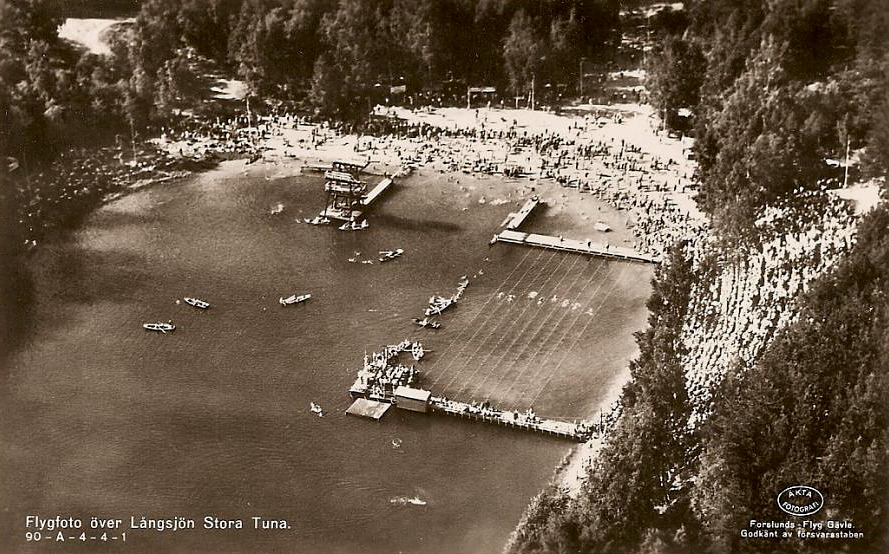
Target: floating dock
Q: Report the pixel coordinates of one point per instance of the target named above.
(372, 409)
(573, 245)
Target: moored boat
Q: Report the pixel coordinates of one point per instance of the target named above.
(196, 302)
(316, 409)
(426, 322)
(160, 327)
(390, 254)
(294, 299)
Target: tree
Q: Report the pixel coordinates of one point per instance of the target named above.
(675, 75)
(523, 52)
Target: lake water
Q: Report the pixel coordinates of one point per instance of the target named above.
(101, 418)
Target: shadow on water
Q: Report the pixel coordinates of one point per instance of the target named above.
(16, 302)
(411, 224)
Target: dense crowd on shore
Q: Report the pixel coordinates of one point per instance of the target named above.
(737, 307)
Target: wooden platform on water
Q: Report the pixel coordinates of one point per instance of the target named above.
(520, 216)
(573, 245)
(372, 409)
(375, 192)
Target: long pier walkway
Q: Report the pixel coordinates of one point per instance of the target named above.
(511, 235)
(573, 245)
(578, 431)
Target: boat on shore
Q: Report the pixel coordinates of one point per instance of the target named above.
(160, 327)
(196, 302)
(390, 254)
(294, 299)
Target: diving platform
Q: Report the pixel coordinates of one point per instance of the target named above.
(573, 245)
(337, 212)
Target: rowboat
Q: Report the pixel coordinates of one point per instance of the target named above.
(160, 327)
(197, 303)
(390, 254)
(425, 322)
(294, 299)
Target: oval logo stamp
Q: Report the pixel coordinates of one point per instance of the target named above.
(800, 500)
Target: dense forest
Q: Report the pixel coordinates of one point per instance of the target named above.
(333, 57)
(776, 88)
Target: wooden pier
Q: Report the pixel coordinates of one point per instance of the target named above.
(370, 402)
(573, 245)
(375, 192)
(517, 420)
(519, 217)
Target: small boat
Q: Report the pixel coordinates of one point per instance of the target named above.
(435, 310)
(294, 299)
(425, 322)
(438, 304)
(197, 303)
(319, 220)
(354, 225)
(316, 409)
(160, 327)
(277, 208)
(390, 254)
(403, 501)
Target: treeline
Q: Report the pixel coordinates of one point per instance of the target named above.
(341, 54)
(776, 89)
(336, 57)
(50, 92)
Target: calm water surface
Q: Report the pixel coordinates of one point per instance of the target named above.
(102, 418)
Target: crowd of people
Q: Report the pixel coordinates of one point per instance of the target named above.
(739, 305)
(383, 373)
